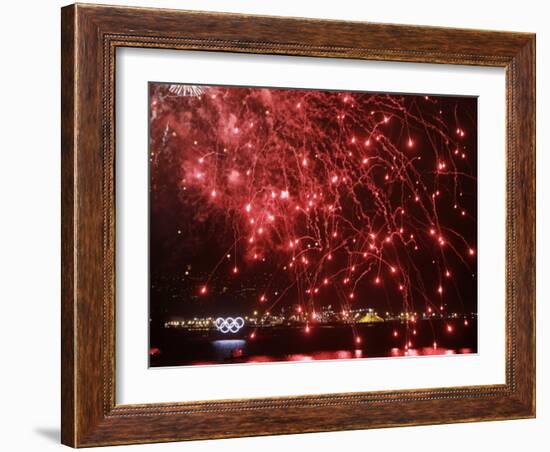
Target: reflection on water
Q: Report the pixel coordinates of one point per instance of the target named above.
(182, 348)
(235, 351)
(427, 351)
(225, 349)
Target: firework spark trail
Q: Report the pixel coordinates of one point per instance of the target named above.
(332, 188)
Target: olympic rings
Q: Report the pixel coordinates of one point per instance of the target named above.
(229, 324)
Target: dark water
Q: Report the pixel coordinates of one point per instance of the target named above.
(177, 347)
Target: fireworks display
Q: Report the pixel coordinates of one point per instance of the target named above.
(292, 200)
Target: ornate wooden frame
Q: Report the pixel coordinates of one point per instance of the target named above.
(90, 36)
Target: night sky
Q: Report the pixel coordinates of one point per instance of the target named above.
(279, 199)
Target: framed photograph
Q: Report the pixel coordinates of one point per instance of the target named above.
(278, 225)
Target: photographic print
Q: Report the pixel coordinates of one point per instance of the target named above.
(304, 224)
